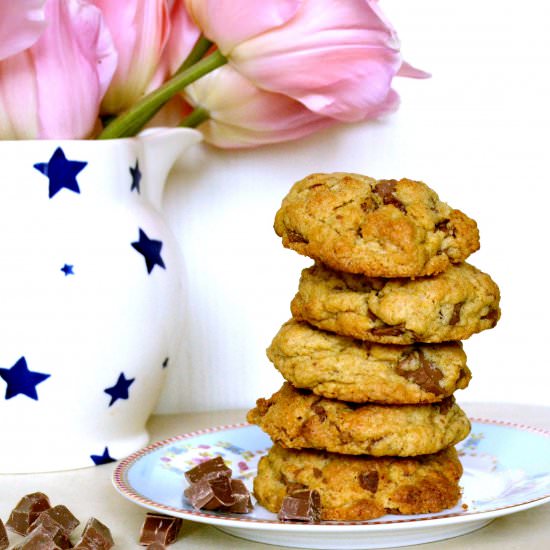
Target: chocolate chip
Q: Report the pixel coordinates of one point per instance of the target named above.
(4, 541)
(492, 315)
(416, 368)
(209, 469)
(455, 317)
(396, 330)
(369, 481)
(317, 473)
(319, 411)
(26, 511)
(159, 528)
(368, 205)
(443, 225)
(385, 189)
(96, 536)
(295, 237)
(446, 405)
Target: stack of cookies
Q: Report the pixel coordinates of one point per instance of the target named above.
(372, 355)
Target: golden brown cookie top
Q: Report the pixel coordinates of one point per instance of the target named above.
(380, 228)
(452, 305)
(300, 419)
(340, 367)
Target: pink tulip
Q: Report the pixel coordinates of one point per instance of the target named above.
(53, 89)
(139, 29)
(21, 23)
(242, 115)
(338, 58)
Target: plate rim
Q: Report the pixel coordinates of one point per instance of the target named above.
(420, 522)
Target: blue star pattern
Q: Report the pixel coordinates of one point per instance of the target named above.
(104, 458)
(68, 269)
(120, 389)
(136, 177)
(150, 250)
(61, 172)
(21, 380)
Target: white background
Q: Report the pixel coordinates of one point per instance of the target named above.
(476, 132)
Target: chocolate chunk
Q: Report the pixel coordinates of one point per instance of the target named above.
(156, 546)
(446, 405)
(210, 469)
(386, 189)
(38, 539)
(56, 531)
(4, 541)
(61, 515)
(319, 411)
(96, 536)
(26, 511)
(243, 502)
(210, 494)
(369, 481)
(396, 330)
(416, 368)
(455, 317)
(302, 505)
(295, 237)
(159, 528)
(492, 315)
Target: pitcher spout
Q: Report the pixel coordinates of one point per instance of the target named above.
(160, 149)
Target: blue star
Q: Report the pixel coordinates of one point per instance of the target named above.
(21, 380)
(61, 172)
(165, 363)
(68, 269)
(150, 249)
(136, 177)
(120, 389)
(105, 458)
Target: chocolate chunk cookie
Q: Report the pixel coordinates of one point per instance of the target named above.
(340, 367)
(380, 228)
(300, 419)
(356, 488)
(450, 306)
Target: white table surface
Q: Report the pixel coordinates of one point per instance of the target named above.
(88, 492)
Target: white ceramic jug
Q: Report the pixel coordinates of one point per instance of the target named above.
(90, 296)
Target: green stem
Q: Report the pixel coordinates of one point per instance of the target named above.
(132, 121)
(196, 117)
(202, 45)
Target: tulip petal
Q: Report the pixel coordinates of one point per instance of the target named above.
(140, 30)
(227, 23)
(337, 58)
(241, 115)
(75, 61)
(21, 23)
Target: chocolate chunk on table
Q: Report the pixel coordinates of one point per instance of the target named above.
(61, 515)
(210, 469)
(156, 546)
(57, 533)
(301, 505)
(96, 536)
(26, 511)
(159, 528)
(4, 541)
(38, 539)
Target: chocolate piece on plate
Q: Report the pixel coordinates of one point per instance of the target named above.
(210, 494)
(243, 502)
(4, 541)
(159, 528)
(96, 536)
(57, 533)
(301, 505)
(26, 511)
(210, 469)
(38, 539)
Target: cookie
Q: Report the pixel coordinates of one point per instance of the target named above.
(357, 488)
(379, 228)
(340, 367)
(453, 305)
(300, 419)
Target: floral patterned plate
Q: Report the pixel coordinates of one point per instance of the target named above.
(506, 469)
